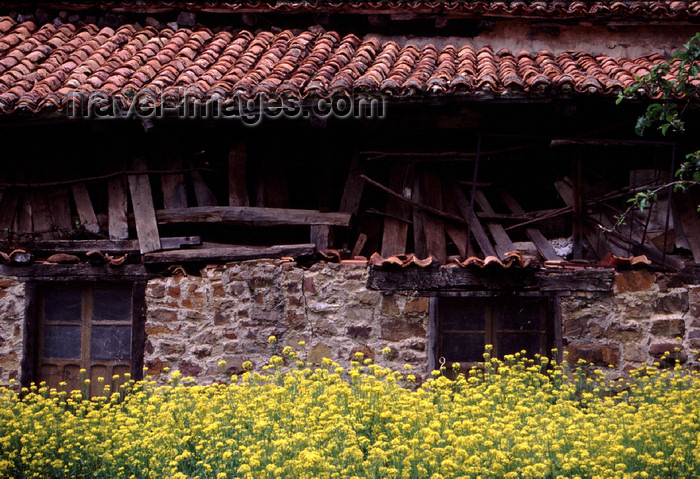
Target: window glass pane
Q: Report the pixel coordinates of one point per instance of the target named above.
(520, 315)
(514, 343)
(111, 304)
(110, 342)
(463, 347)
(462, 315)
(62, 305)
(61, 342)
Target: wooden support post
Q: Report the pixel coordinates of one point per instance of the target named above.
(359, 244)
(321, 237)
(237, 188)
(395, 230)
(476, 229)
(86, 213)
(144, 212)
(457, 232)
(420, 246)
(8, 210)
(41, 215)
(118, 225)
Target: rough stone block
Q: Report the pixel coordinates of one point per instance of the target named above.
(598, 354)
(634, 352)
(309, 286)
(188, 368)
(674, 302)
(369, 297)
(359, 332)
(398, 330)
(221, 318)
(573, 327)
(632, 281)
(265, 315)
(156, 329)
(416, 306)
(162, 315)
(389, 306)
(658, 349)
(318, 352)
(671, 328)
(155, 366)
(623, 332)
(366, 351)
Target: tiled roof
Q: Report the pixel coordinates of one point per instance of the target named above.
(660, 9)
(42, 66)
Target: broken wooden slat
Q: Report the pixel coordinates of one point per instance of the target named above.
(201, 191)
(359, 244)
(118, 225)
(228, 253)
(252, 216)
(173, 184)
(434, 226)
(395, 231)
(321, 236)
(104, 246)
(144, 212)
(352, 193)
(59, 206)
(237, 189)
(503, 243)
(538, 239)
(476, 229)
(41, 215)
(8, 210)
(86, 214)
(24, 217)
(457, 232)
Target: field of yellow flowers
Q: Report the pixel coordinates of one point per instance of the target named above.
(506, 419)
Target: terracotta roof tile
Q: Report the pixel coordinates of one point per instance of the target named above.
(653, 9)
(44, 66)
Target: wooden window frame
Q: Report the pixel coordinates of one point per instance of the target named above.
(33, 337)
(549, 331)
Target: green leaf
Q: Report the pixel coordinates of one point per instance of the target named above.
(696, 176)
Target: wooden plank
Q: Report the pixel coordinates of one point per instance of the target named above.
(434, 226)
(144, 212)
(83, 205)
(689, 221)
(41, 215)
(173, 184)
(577, 206)
(420, 247)
(8, 210)
(118, 225)
(538, 239)
(229, 253)
(59, 206)
(503, 243)
(476, 229)
(252, 216)
(321, 236)
(395, 231)
(354, 185)
(441, 280)
(105, 246)
(456, 232)
(359, 244)
(201, 191)
(237, 188)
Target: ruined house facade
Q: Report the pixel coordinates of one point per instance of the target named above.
(182, 180)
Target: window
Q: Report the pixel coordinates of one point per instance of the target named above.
(510, 324)
(88, 327)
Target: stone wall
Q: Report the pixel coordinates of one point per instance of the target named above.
(11, 328)
(229, 312)
(644, 316)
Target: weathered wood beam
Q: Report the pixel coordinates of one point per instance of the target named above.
(237, 188)
(228, 253)
(476, 229)
(173, 185)
(354, 185)
(252, 216)
(83, 205)
(398, 212)
(118, 225)
(435, 280)
(320, 235)
(434, 227)
(503, 243)
(59, 205)
(204, 195)
(104, 246)
(86, 272)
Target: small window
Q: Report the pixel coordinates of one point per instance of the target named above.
(510, 325)
(85, 327)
